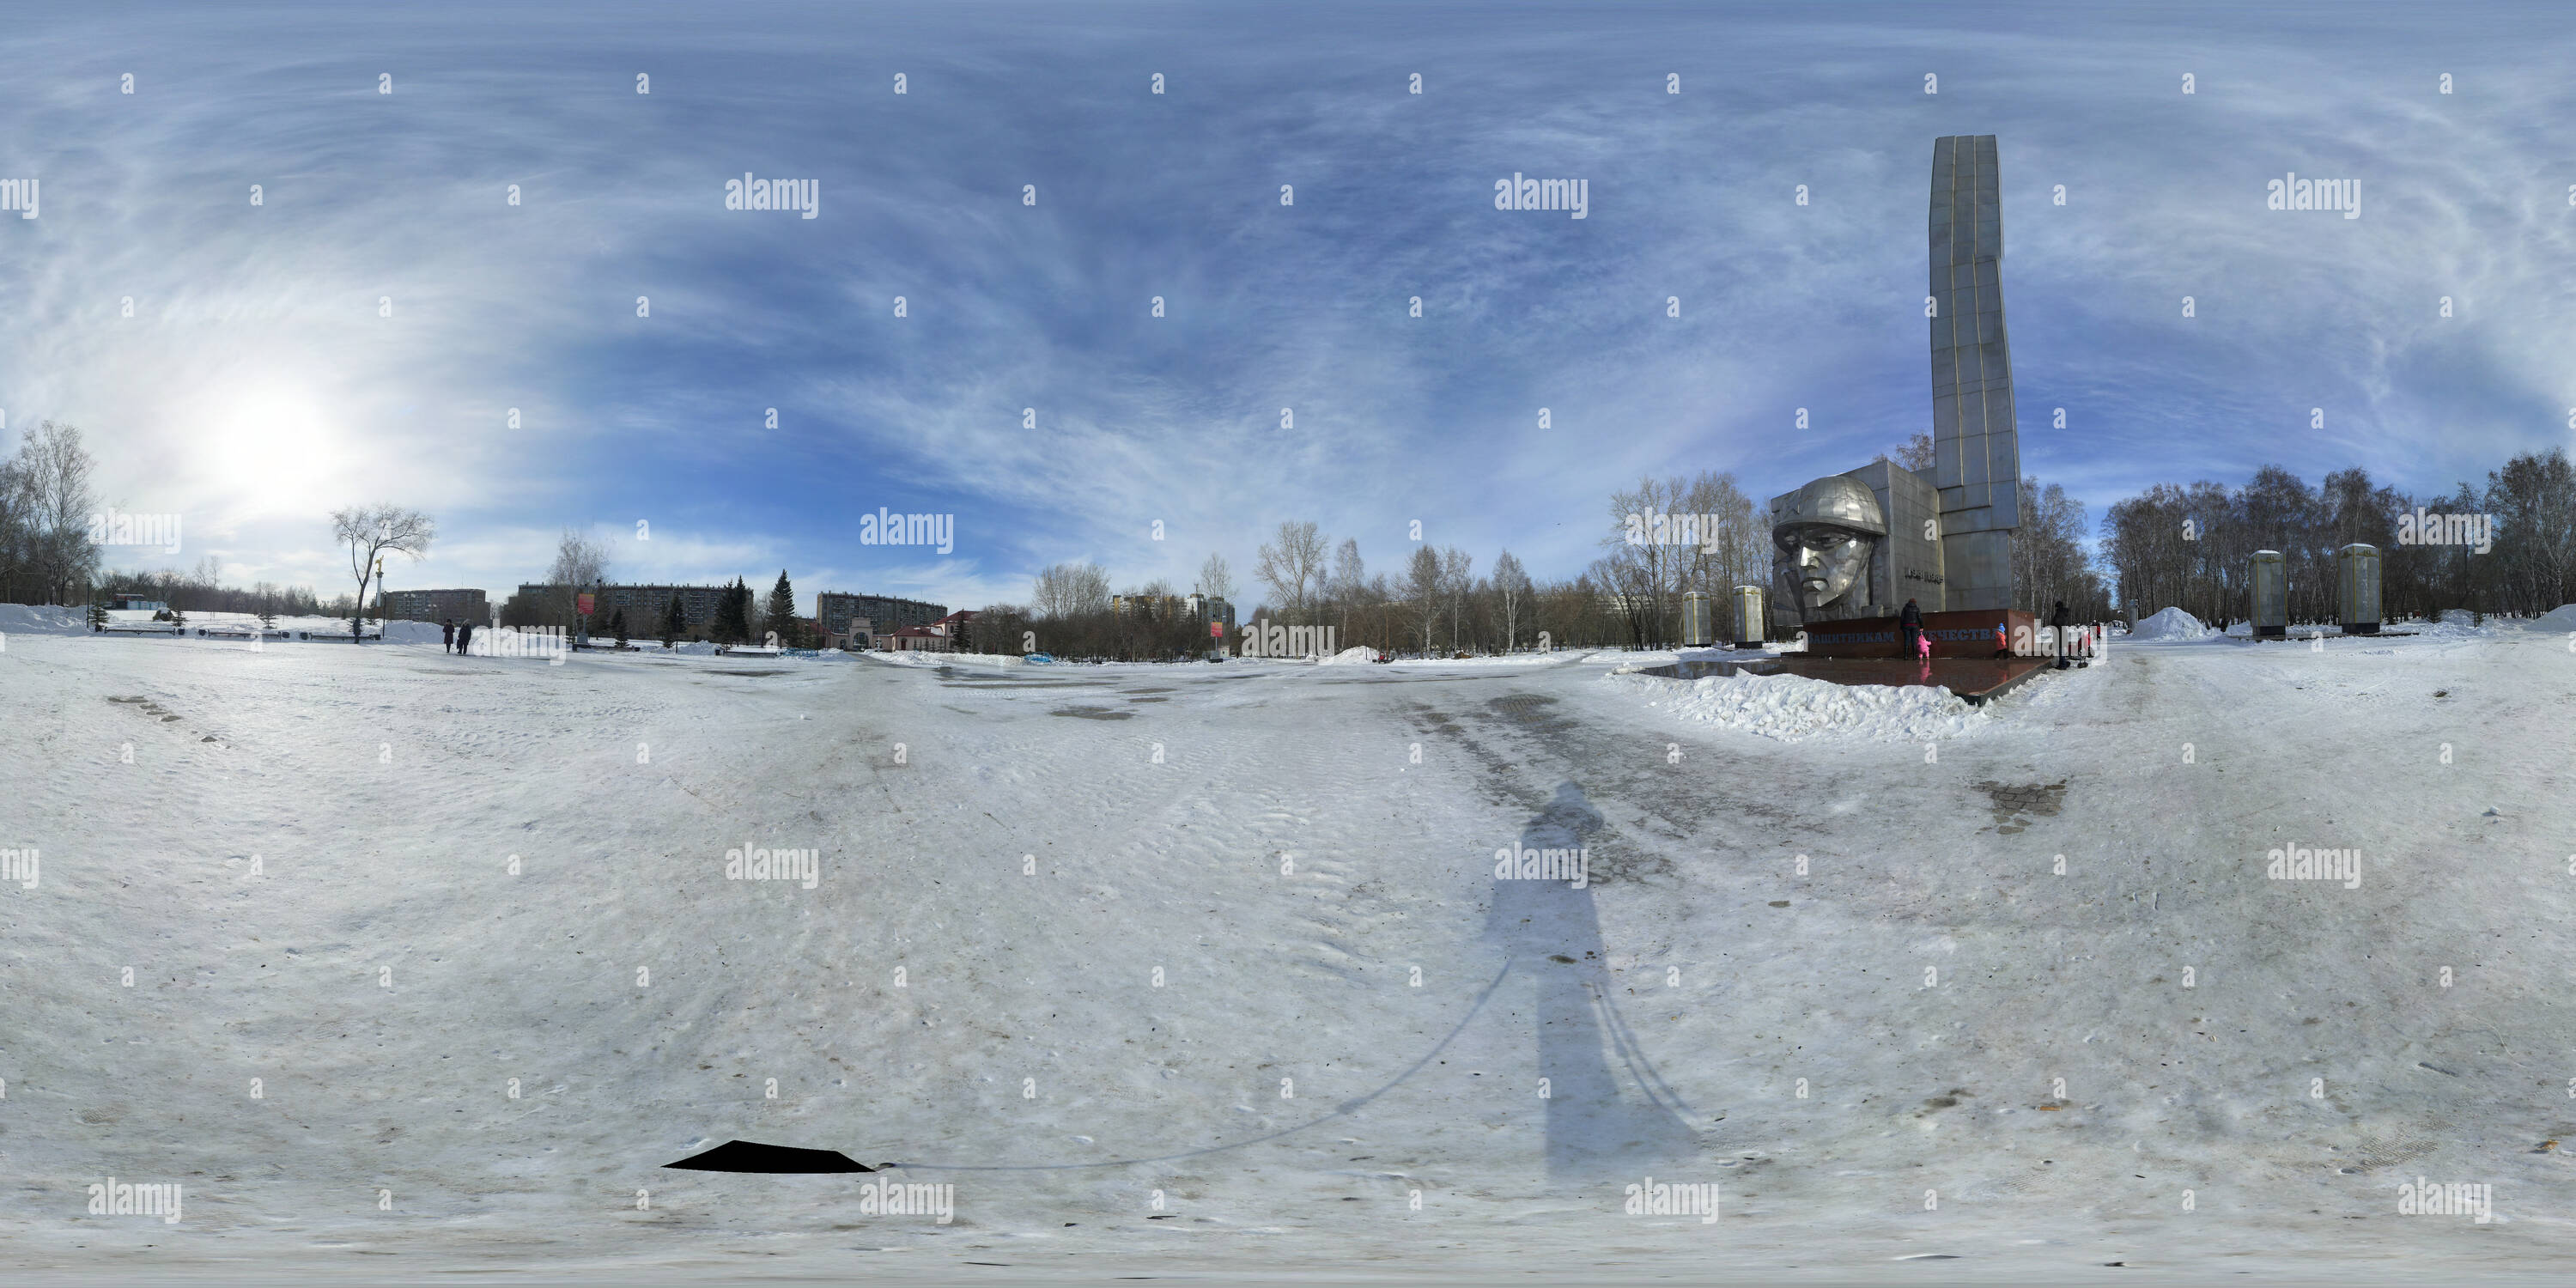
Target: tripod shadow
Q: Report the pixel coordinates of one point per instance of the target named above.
(1607, 1109)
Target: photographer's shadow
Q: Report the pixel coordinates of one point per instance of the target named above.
(1607, 1109)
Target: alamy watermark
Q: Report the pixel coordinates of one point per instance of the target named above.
(116, 1199)
(2421, 529)
(19, 866)
(115, 527)
(2299, 863)
(19, 195)
(2294, 193)
(1521, 863)
(2420, 1197)
(520, 641)
(1519, 193)
(1267, 638)
(1675, 1198)
(804, 196)
(900, 1198)
(885, 528)
(749, 864)
(1656, 528)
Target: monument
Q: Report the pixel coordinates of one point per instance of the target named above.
(1850, 549)
(2357, 588)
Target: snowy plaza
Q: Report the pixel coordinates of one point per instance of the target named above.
(383, 950)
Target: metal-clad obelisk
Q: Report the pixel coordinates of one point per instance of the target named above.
(1976, 449)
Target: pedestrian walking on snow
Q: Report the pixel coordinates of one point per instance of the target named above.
(447, 635)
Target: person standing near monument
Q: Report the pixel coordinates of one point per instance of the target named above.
(2057, 627)
(1911, 621)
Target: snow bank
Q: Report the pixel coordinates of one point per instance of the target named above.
(1354, 654)
(2171, 624)
(2561, 618)
(22, 618)
(924, 657)
(28, 619)
(2455, 625)
(1793, 707)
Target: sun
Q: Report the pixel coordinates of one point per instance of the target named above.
(268, 447)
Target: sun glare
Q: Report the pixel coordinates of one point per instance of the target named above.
(269, 448)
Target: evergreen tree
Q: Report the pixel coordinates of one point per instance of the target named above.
(267, 615)
(782, 612)
(617, 626)
(675, 623)
(97, 613)
(733, 621)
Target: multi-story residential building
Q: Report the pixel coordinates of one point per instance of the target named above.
(1152, 608)
(434, 606)
(1208, 609)
(834, 610)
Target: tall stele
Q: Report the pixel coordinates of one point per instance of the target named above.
(1943, 536)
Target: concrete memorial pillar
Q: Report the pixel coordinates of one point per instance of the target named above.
(2357, 589)
(2269, 613)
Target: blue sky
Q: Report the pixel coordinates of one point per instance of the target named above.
(256, 385)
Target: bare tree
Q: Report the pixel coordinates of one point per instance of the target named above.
(1071, 590)
(1456, 565)
(1293, 566)
(1915, 455)
(1422, 583)
(371, 530)
(1512, 586)
(53, 473)
(581, 560)
(1347, 584)
(1216, 580)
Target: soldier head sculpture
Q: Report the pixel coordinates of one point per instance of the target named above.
(1825, 534)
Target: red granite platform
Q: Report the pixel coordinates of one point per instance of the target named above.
(1960, 634)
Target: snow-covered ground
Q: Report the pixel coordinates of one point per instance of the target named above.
(467, 923)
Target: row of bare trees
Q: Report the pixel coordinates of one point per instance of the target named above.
(1664, 538)
(201, 590)
(1433, 603)
(2192, 546)
(1709, 539)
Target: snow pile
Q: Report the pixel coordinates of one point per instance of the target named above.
(2171, 624)
(28, 619)
(2456, 624)
(1793, 707)
(1348, 656)
(925, 657)
(2561, 618)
